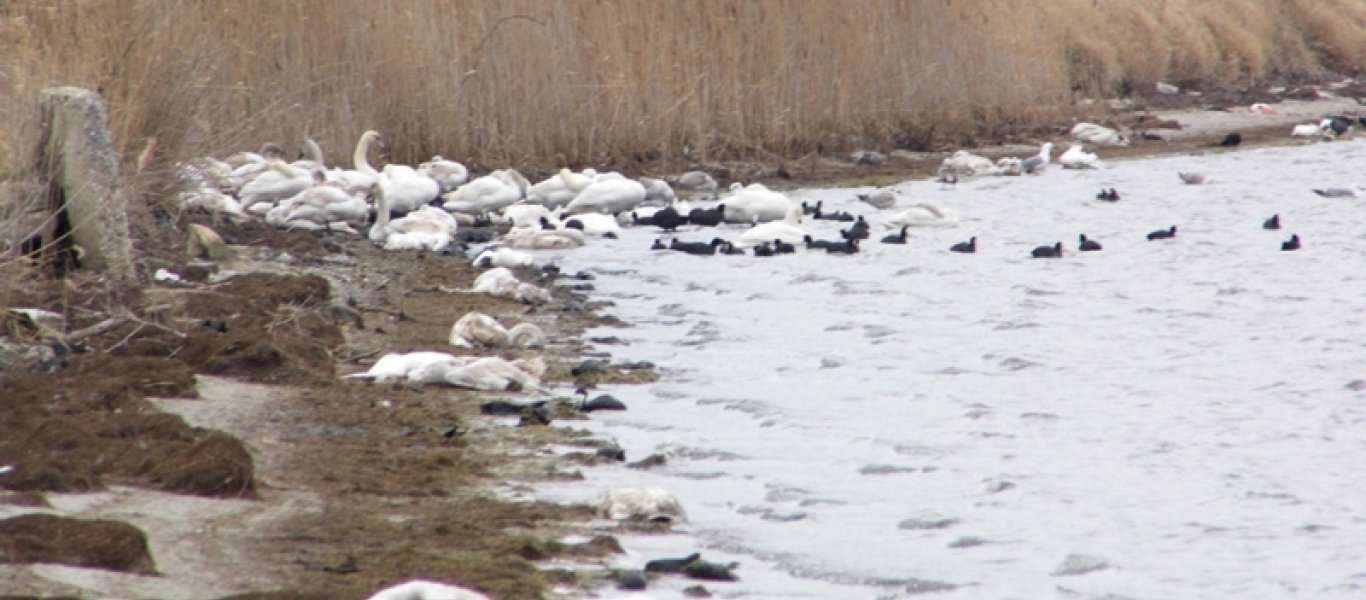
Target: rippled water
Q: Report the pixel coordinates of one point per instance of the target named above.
(1180, 419)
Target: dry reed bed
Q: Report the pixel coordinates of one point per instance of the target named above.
(537, 83)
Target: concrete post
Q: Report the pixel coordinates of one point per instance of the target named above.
(82, 171)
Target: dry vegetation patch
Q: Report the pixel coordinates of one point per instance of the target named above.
(43, 538)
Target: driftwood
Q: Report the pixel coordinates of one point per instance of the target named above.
(82, 173)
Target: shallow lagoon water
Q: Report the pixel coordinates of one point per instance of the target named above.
(1175, 419)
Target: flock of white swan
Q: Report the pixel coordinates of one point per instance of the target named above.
(423, 208)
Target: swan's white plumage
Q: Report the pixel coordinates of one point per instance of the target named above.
(448, 174)
(594, 224)
(1077, 157)
(471, 372)
(322, 204)
(406, 189)
(560, 189)
(1099, 135)
(503, 257)
(526, 335)
(609, 193)
(427, 228)
(490, 374)
(644, 503)
(280, 181)
(755, 202)
(392, 368)
(697, 181)
(426, 590)
(501, 283)
(484, 194)
(213, 201)
(535, 238)
(525, 215)
(657, 191)
(788, 230)
(923, 215)
(966, 164)
(478, 329)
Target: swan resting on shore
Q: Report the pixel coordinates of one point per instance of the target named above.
(488, 373)
(639, 504)
(501, 283)
(418, 589)
(478, 329)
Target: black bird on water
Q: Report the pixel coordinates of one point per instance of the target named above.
(968, 247)
(896, 238)
(1054, 251)
(1163, 234)
(1273, 223)
(1292, 244)
(1086, 244)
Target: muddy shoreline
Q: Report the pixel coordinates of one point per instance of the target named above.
(215, 420)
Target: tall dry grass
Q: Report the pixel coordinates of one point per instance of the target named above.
(537, 83)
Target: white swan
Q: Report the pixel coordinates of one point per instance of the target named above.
(527, 335)
(361, 176)
(657, 191)
(213, 201)
(525, 215)
(322, 204)
(535, 238)
(1099, 135)
(490, 374)
(645, 503)
(609, 193)
(922, 215)
(478, 329)
(426, 590)
(280, 181)
(560, 189)
(268, 151)
(406, 189)
(312, 159)
(392, 368)
(696, 181)
(594, 224)
(470, 372)
(1077, 157)
(503, 257)
(428, 228)
(501, 283)
(755, 202)
(447, 173)
(966, 164)
(788, 230)
(486, 194)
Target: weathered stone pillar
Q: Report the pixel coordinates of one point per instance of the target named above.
(82, 171)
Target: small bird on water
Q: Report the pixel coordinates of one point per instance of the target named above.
(1163, 234)
(1273, 223)
(1292, 244)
